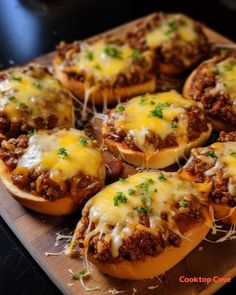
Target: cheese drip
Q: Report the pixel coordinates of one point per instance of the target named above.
(23, 96)
(119, 222)
(43, 153)
(137, 118)
(225, 72)
(169, 27)
(105, 61)
(225, 158)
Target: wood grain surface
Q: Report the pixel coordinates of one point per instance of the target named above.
(37, 232)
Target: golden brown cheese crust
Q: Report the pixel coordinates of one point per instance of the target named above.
(212, 83)
(104, 71)
(214, 165)
(178, 42)
(30, 98)
(146, 239)
(47, 174)
(148, 125)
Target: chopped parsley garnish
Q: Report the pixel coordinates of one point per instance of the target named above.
(216, 71)
(142, 100)
(223, 51)
(89, 55)
(113, 52)
(16, 78)
(150, 180)
(23, 105)
(145, 200)
(32, 131)
(38, 84)
(172, 27)
(183, 203)
(120, 108)
(119, 198)
(228, 67)
(62, 152)
(83, 141)
(233, 154)
(145, 184)
(174, 124)
(130, 214)
(97, 66)
(122, 180)
(212, 154)
(158, 111)
(12, 98)
(142, 209)
(136, 55)
(162, 177)
(76, 277)
(131, 191)
(152, 102)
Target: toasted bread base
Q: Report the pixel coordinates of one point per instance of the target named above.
(103, 95)
(225, 213)
(157, 160)
(62, 206)
(154, 266)
(217, 125)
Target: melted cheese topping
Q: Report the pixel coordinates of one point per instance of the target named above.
(23, 96)
(119, 222)
(172, 26)
(137, 117)
(225, 156)
(105, 61)
(77, 155)
(226, 77)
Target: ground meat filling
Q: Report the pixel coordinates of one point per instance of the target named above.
(227, 136)
(216, 101)
(140, 68)
(39, 183)
(10, 128)
(169, 51)
(219, 192)
(141, 243)
(197, 124)
(13, 129)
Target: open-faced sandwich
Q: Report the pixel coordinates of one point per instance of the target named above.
(104, 72)
(31, 98)
(139, 227)
(52, 172)
(155, 130)
(178, 41)
(216, 165)
(214, 84)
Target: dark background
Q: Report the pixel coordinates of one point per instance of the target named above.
(29, 28)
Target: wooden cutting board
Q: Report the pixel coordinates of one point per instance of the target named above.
(37, 233)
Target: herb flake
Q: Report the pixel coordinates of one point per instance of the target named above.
(38, 84)
(113, 52)
(162, 177)
(62, 152)
(183, 203)
(131, 191)
(211, 154)
(120, 108)
(32, 131)
(83, 141)
(119, 198)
